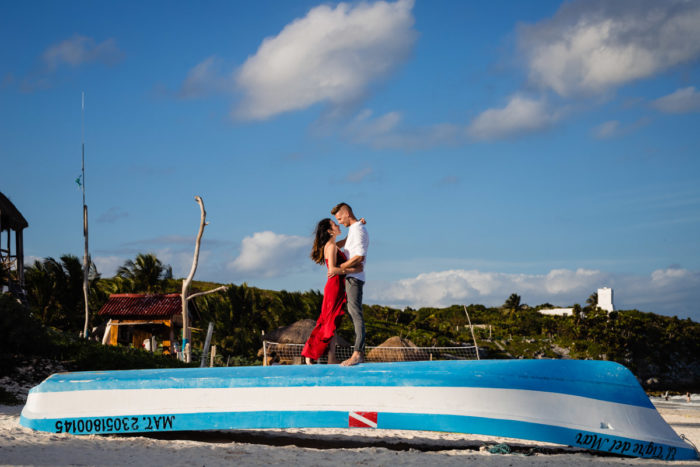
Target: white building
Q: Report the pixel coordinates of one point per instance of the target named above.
(605, 299)
(557, 311)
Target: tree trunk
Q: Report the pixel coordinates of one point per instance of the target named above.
(186, 345)
(186, 297)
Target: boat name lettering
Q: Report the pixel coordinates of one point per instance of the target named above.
(115, 424)
(629, 448)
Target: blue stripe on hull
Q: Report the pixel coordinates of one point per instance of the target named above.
(335, 419)
(607, 381)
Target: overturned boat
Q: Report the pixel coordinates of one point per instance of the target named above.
(588, 404)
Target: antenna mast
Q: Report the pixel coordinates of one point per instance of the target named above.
(86, 256)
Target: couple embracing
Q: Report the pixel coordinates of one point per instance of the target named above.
(346, 278)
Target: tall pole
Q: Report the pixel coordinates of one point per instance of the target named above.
(86, 255)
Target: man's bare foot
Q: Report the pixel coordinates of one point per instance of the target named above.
(355, 358)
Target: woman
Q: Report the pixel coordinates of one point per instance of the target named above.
(323, 335)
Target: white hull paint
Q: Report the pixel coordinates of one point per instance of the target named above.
(595, 405)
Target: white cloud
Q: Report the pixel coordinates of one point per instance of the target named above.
(615, 129)
(206, 78)
(268, 254)
(385, 132)
(684, 100)
(329, 56)
(107, 265)
(606, 130)
(594, 45)
(80, 49)
(520, 116)
(672, 291)
(472, 286)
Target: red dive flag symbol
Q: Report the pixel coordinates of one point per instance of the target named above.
(362, 420)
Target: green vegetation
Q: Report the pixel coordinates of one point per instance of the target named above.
(26, 339)
(652, 346)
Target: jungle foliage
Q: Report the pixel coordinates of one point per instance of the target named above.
(650, 345)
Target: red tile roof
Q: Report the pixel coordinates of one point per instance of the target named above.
(137, 306)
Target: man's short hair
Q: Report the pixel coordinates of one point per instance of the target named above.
(339, 206)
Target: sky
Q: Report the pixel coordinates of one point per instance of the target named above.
(541, 148)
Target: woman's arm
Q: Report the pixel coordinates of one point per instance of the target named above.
(331, 253)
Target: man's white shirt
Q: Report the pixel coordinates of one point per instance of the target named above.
(357, 244)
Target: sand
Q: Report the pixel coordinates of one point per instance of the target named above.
(22, 446)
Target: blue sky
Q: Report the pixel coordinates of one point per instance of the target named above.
(542, 148)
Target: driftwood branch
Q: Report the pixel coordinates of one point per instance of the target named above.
(186, 345)
(186, 297)
(218, 289)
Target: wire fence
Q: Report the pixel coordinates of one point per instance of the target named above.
(275, 353)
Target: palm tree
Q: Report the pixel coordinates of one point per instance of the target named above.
(146, 274)
(592, 301)
(55, 290)
(513, 303)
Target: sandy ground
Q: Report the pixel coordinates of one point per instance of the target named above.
(22, 446)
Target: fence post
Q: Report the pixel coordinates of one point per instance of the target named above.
(205, 349)
(476, 347)
(264, 353)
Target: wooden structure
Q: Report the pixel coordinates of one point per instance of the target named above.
(11, 261)
(138, 318)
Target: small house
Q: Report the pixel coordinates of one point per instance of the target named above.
(11, 260)
(144, 321)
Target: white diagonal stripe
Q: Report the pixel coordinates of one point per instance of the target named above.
(362, 419)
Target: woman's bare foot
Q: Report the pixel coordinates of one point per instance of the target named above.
(355, 358)
(309, 361)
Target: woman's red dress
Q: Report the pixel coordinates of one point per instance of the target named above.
(331, 311)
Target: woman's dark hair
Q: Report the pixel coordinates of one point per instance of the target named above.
(321, 237)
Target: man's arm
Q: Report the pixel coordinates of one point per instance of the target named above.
(341, 243)
(354, 261)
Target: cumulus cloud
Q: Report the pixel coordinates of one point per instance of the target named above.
(684, 100)
(329, 56)
(74, 52)
(592, 46)
(206, 78)
(79, 50)
(615, 128)
(520, 116)
(671, 291)
(385, 132)
(472, 286)
(268, 254)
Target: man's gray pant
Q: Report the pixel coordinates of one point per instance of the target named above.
(353, 289)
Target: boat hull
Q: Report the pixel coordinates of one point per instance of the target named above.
(588, 404)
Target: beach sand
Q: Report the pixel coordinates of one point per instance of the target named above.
(22, 446)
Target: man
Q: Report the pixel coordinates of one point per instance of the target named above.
(355, 244)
